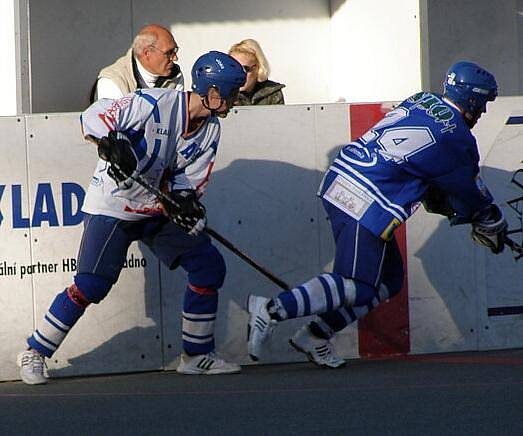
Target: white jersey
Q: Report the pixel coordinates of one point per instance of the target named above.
(169, 156)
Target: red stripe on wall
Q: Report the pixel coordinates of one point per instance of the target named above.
(385, 331)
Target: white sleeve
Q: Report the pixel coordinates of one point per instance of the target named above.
(104, 115)
(181, 84)
(106, 88)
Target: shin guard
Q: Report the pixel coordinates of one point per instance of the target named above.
(59, 319)
(199, 315)
(321, 294)
(339, 319)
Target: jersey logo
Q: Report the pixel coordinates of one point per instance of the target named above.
(188, 151)
(348, 198)
(388, 233)
(434, 108)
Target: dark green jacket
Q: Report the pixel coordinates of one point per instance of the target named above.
(267, 92)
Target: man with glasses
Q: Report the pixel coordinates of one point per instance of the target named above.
(149, 63)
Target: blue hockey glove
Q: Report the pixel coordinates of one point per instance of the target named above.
(187, 212)
(116, 149)
(489, 228)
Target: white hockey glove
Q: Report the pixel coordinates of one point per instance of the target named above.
(490, 229)
(189, 213)
(116, 149)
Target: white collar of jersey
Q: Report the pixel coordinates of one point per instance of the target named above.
(149, 78)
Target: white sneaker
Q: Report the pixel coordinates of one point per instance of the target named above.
(318, 351)
(31, 365)
(260, 327)
(208, 364)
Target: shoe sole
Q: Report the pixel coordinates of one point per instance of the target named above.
(26, 380)
(209, 372)
(311, 358)
(248, 306)
(33, 383)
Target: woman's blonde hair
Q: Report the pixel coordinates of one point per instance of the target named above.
(251, 47)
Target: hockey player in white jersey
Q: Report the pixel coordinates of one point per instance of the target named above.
(421, 151)
(169, 138)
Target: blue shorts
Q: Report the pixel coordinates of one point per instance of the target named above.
(363, 256)
(105, 241)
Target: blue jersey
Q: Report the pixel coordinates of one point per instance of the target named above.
(380, 179)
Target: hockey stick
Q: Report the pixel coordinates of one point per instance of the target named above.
(517, 250)
(211, 232)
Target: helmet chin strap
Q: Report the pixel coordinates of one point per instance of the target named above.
(205, 103)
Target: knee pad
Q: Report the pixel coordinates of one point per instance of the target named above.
(89, 288)
(206, 268)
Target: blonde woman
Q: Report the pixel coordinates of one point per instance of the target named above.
(258, 89)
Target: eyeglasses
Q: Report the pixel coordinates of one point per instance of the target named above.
(249, 68)
(169, 54)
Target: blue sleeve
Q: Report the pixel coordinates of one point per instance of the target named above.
(466, 192)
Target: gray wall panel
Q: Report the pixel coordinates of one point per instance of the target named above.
(482, 31)
(69, 42)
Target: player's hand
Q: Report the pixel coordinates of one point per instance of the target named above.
(116, 149)
(490, 229)
(188, 213)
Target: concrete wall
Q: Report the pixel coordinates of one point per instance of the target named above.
(376, 56)
(66, 60)
(8, 52)
(262, 198)
(483, 31)
(324, 51)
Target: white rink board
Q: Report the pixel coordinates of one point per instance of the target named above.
(122, 333)
(262, 198)
(502, 277)
(452, 282)
(16, 297)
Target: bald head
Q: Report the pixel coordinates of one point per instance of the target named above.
(154, 46)
(150, 35)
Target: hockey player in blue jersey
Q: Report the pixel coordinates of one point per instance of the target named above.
(169, 138)
(422, 151)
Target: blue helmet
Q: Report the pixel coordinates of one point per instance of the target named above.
(470, 87)
(218, 70)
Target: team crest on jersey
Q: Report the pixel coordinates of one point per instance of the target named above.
(348, 198)
(96, 181)
(434, 108)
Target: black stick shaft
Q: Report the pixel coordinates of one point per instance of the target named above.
(212, 233)
(517, 249)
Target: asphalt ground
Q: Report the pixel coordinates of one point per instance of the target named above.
(443, 394)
